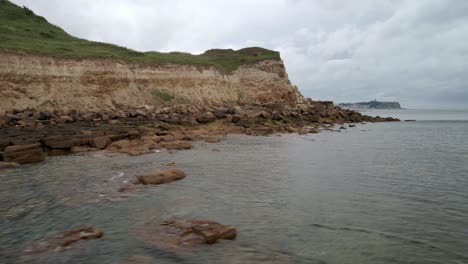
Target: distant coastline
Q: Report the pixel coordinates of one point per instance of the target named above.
(371, 105)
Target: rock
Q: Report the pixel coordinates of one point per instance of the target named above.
(235, 119)
(80, 149)
(161, 177)
(134, 147)
(213, 139)
(67, 238)
(24, 153)
(4, 143)
(342, 127)
(220, 114)
(175, 234)
(6, 165)
(58, 142)
(206, 118)
(176, 145)
(303, 131)
(100, 142)
(351, 125)
(314, 130)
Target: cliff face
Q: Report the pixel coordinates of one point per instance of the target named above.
(102, 84)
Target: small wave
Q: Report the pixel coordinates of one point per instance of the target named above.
(391, 236)
(116, 176)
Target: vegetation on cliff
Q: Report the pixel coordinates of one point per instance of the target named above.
(22, 30)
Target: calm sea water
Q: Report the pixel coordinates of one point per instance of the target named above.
(377, 193)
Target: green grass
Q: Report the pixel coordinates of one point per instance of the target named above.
(22, 30)
(165, 96)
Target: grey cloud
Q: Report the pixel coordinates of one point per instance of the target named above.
(411, 51)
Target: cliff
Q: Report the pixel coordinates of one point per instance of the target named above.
(42, 66)
(95, 84)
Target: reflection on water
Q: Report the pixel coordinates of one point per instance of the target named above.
(395, 193)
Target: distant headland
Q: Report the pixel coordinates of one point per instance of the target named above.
(371, 105)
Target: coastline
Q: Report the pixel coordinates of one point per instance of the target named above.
(30, 136)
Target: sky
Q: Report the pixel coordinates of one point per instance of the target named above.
(414, 52)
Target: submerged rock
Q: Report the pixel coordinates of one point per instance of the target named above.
(67, 238)
(175, 234)
(161, 177)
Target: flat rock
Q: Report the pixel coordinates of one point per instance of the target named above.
(24, 153)
(174, 234)
(161, 177)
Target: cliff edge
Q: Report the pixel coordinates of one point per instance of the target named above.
(43, 67)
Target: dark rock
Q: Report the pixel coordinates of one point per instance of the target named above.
(235, 119)
(342, 127)
(161, 177)
(58, 142)
(4, 143)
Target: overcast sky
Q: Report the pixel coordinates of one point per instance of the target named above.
(415, 52)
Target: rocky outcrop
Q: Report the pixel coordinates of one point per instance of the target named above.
(175, 234)
(24, 153)
(46, 82)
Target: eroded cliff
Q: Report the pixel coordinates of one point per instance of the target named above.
(37, 81)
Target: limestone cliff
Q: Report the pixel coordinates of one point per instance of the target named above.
(37, 81)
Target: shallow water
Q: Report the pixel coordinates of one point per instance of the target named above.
(378, 193)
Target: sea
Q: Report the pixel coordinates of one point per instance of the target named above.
(393, 192)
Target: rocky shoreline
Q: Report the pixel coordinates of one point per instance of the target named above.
(30, 136)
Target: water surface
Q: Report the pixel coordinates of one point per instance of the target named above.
(377, 193)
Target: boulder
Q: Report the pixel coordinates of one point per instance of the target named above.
(206, 118)
(176, 145)
(100, 142)
(177, 234)
(161, 177)
(6, 165)
(24, 153)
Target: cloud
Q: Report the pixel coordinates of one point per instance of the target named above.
(411, 51)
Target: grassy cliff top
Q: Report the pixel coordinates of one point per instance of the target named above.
(22, 30)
